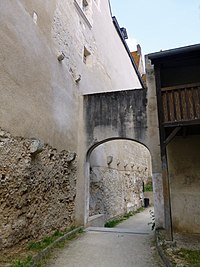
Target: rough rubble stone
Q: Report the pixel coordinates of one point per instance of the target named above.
(37, 190)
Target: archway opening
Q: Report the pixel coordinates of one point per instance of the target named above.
(120, 178)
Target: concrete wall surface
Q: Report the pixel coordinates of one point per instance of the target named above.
(118, 170)
(184, 171)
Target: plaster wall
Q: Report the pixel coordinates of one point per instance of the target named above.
(94, 30)
(123, 154)
(118, 170)
(42, 97)
(184, 171)
(153, 141)
(39, 94)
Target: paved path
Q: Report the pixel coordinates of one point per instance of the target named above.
(130, 244)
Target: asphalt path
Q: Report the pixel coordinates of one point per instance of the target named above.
(130, 244)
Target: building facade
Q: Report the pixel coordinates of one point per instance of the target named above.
(52, 54)
(176, 79)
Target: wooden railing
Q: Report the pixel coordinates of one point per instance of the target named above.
(181, 103)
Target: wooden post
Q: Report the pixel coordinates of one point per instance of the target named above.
(165, 174)
(167, 199)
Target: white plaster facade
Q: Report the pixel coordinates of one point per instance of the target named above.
(39, 94)
(41, 97)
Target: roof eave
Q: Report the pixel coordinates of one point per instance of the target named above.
(116, 24)
(174, 52)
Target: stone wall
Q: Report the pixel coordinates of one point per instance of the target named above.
(117, 177)
(114, 192)
(37, 189)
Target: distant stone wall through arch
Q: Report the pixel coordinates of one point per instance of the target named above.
(118, 170)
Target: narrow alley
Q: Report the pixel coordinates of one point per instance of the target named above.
(130, 244)
(100, 116)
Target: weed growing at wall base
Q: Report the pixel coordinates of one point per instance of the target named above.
(184, 257)
(113, 223)
(38, 246)
(23, 263)
(148, 187)
(25, 256)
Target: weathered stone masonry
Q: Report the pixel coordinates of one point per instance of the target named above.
(37, 191)
(114, 192)
(117, 177)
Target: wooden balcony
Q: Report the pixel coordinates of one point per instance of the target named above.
(181, 105)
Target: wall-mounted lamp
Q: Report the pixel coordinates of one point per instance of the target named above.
(61, 56)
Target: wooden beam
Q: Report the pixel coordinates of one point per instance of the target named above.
(182, 86)
(167, 199)
(172, 135)
(165, 174)
(159, 105)
(181, 123)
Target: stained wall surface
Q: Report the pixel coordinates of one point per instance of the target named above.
(184, 171)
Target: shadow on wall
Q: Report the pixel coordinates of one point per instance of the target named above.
(118, 170)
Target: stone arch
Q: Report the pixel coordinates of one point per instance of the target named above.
(128, 115)
(118, 169)
(92, 147)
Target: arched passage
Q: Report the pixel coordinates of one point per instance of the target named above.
(117, 170)
(118, 115)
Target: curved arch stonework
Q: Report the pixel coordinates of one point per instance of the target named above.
(129, 115)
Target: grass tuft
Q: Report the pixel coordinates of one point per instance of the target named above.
(192, 257)
(113, 223)
(148, 187)
(22, 263)
(33, 248)
(40, 245)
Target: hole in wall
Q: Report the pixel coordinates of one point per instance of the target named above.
(86, 55)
